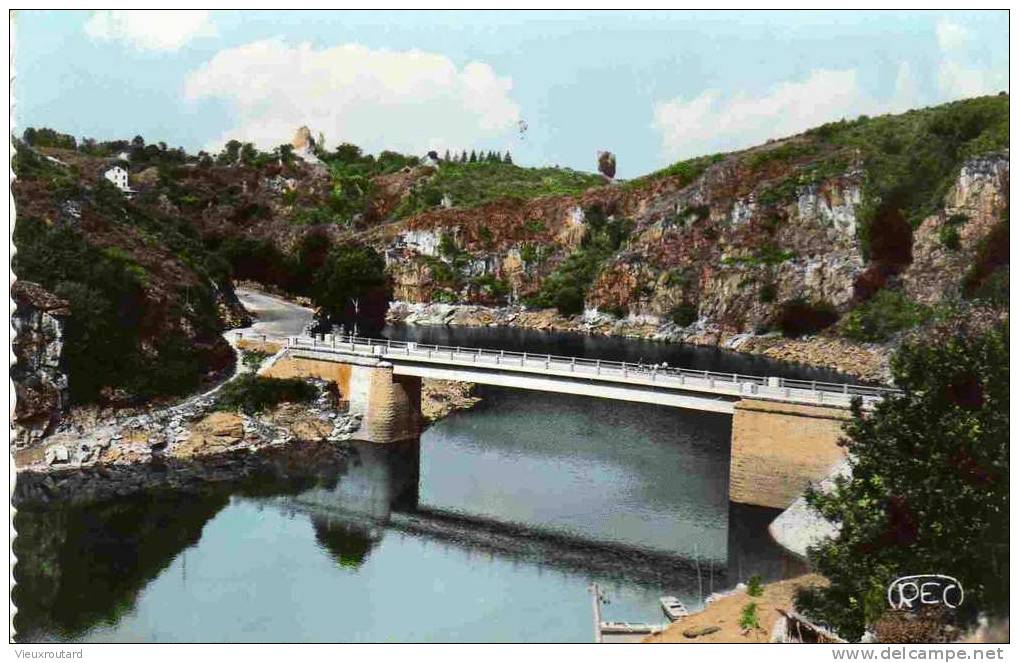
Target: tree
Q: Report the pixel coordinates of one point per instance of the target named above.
(285, 152)
(507, 158)
(351, 287)
(230, 152)
(474, 157)
(348, 153)
(248, 154)
(463, 157)
(929, 488)
(607, 164)
(445, 157)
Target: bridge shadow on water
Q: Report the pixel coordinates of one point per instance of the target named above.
(86, 566)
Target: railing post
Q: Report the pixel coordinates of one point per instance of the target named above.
(478, 357)
(548, 360)
(624, 369)
(573, 364)
(523, 359)
(597, 366)
(845, 389)
(654, 373)
(498, 357)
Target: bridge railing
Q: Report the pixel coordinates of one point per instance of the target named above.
(659, 373)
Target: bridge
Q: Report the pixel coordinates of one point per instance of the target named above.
(785, 433)
(675, 387)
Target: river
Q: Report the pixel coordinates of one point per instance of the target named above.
(491, 529)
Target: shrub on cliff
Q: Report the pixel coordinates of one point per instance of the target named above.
(566, 288)
(252, 393)
(929, 489)
(798, 317)
(882, 316)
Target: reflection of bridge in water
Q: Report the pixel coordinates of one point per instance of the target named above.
(379, 496)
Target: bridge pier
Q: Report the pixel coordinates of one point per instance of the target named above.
(779, 448)
(390, 404)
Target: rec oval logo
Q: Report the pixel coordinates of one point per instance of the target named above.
(913, 592)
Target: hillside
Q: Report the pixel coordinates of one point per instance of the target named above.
(145, 300)
(871, 218)
(857, 229)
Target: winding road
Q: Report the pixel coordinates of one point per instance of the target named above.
(273, 316)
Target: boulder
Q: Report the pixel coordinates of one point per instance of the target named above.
(212, 434)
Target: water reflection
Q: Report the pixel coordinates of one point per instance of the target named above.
(494, 523)
(84, 566)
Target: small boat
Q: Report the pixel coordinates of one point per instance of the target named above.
(629, 627)
(673, 607)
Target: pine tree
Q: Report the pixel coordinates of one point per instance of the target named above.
(507, 159)
(445, 157)
(474, 157)
(463, 157)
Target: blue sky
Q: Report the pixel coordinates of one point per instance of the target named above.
(552, 87)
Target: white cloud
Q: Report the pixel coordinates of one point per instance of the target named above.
(711, 122)
(959, 81)
(150, 30)
(378, 99)
(957, 76)
(951, 36)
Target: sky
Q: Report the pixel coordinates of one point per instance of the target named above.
(554, 88)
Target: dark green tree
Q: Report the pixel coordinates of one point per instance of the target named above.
(230, 153)
(507, 158)
(351, 288)
(929, 487)
(248, 154)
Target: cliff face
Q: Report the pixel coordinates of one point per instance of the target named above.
(973, 209)
(721, 244)
(39, 372)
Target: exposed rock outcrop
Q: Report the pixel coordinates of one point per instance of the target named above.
(40, 380)
(973, 206)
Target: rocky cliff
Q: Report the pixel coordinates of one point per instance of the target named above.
(721, 248)
(39, 372)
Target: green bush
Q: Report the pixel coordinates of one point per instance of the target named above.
(684, 314)
(948, 234)
(768, 293)
(755, 587)
(252, 393)
(253, 358)
(882, 316)
(748, 618)
(473, 184)
(799, 317)
(566, 288)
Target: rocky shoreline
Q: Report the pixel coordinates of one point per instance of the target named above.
(864, 361)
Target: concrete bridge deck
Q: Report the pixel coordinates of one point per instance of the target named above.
(677, 387)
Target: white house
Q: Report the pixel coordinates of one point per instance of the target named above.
(118, 176)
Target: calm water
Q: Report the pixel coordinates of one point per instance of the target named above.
(614, 348)
(490, 529)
